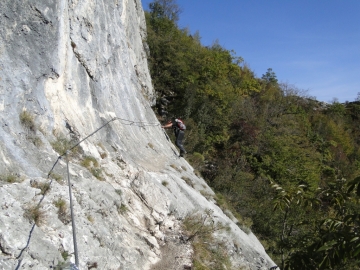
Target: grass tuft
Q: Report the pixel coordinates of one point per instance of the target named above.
(92, 165)
(208, 252)
(35, 214)
(27, 121)
(10, 178)
(62, 144)
(44, 187)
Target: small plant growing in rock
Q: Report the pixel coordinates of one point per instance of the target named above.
(164, 183)
(92, 265)
(201, 225)
(151, 146)
(10, 178)
(65, 254)
(61, 205)
(121, 208)
(35, 214)
(174, 167)
(44, 187)
(188, 181)
(63, 213)
(207, 195)
(35, 140)
(89, 161)
(27, 120)
(208, 253)
(118, 191)
(97, 172)
(57, 177)
(90, 218)
(92, 165)
(62, 144)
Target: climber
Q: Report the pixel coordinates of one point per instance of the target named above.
(179, 130)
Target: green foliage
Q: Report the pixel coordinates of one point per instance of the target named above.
(65, 254)
(258, 143)
(334, 242)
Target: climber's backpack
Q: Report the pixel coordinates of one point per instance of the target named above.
(180, 124)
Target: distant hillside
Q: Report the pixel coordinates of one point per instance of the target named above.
(88, 178)
(285, 163)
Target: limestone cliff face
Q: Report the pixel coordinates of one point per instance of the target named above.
(68, 67)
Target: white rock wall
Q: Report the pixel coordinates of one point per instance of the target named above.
(74, 65)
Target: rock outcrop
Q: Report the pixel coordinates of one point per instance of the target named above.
(75, 72)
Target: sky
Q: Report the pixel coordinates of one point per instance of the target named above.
(313, 45)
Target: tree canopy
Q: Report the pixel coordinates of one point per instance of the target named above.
(287, 165)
